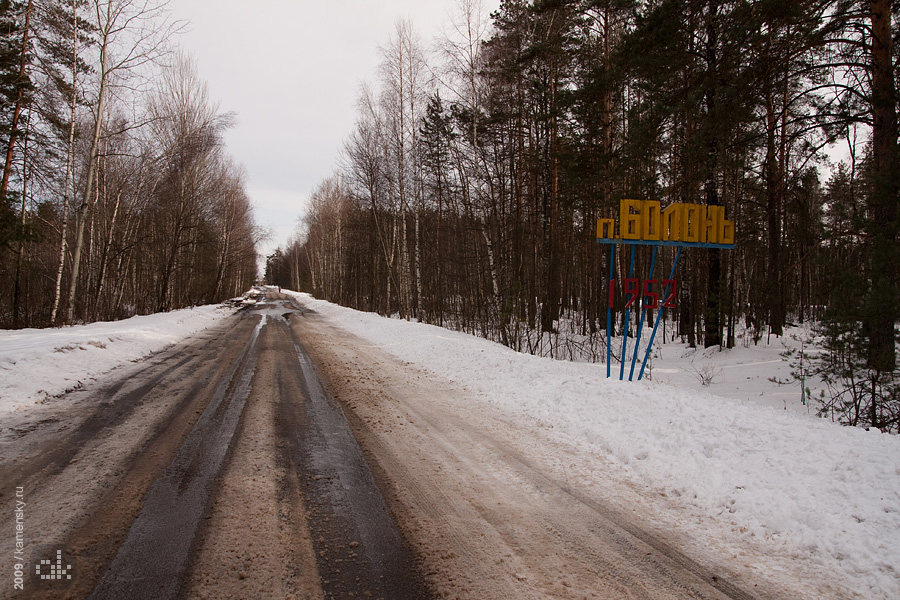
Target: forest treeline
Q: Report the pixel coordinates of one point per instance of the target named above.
(117, 196)
(469, 189)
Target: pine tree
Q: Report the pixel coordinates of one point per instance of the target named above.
(883, 306)
(14, 84)
(437, 138)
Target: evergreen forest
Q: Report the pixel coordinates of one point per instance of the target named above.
(469, 190)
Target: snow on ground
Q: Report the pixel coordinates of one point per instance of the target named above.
(740, 459)
(747, 464)
(36, 364)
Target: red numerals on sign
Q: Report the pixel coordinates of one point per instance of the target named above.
(651, 300)
(635, 288)
(631, 291)
(671, 286)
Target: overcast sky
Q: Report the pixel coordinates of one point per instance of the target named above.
(291, 70)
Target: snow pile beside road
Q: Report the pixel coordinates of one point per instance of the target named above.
(800, 488)
(39, 363)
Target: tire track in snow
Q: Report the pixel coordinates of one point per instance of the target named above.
(487, 520)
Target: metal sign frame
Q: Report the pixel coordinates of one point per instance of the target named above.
(642, 223)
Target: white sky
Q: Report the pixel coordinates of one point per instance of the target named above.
(292, 70)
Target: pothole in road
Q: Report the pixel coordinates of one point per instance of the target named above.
(276, 308)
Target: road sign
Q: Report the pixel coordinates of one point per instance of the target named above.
(644, 223)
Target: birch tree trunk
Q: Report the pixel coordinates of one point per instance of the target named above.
(137, 29)
(70, 164)
(87, 202)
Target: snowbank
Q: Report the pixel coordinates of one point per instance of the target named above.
(801, 487)
(39, 363)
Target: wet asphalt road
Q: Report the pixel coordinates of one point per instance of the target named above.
(360, 550)
(152, 561)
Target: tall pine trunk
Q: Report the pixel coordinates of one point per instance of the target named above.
(10, 151)
(20, 251)
(713, 312)
(882, 310)
(20, 101)
(774, 201)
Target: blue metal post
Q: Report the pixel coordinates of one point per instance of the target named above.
(637, 343)
(612, 260)
(658, 316)
(627, 315)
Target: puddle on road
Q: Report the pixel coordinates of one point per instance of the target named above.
(276, 308)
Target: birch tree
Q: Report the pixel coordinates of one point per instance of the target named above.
(70, 87)
(131, 36)
(403, 94)
(188, 127)
(463, 58)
